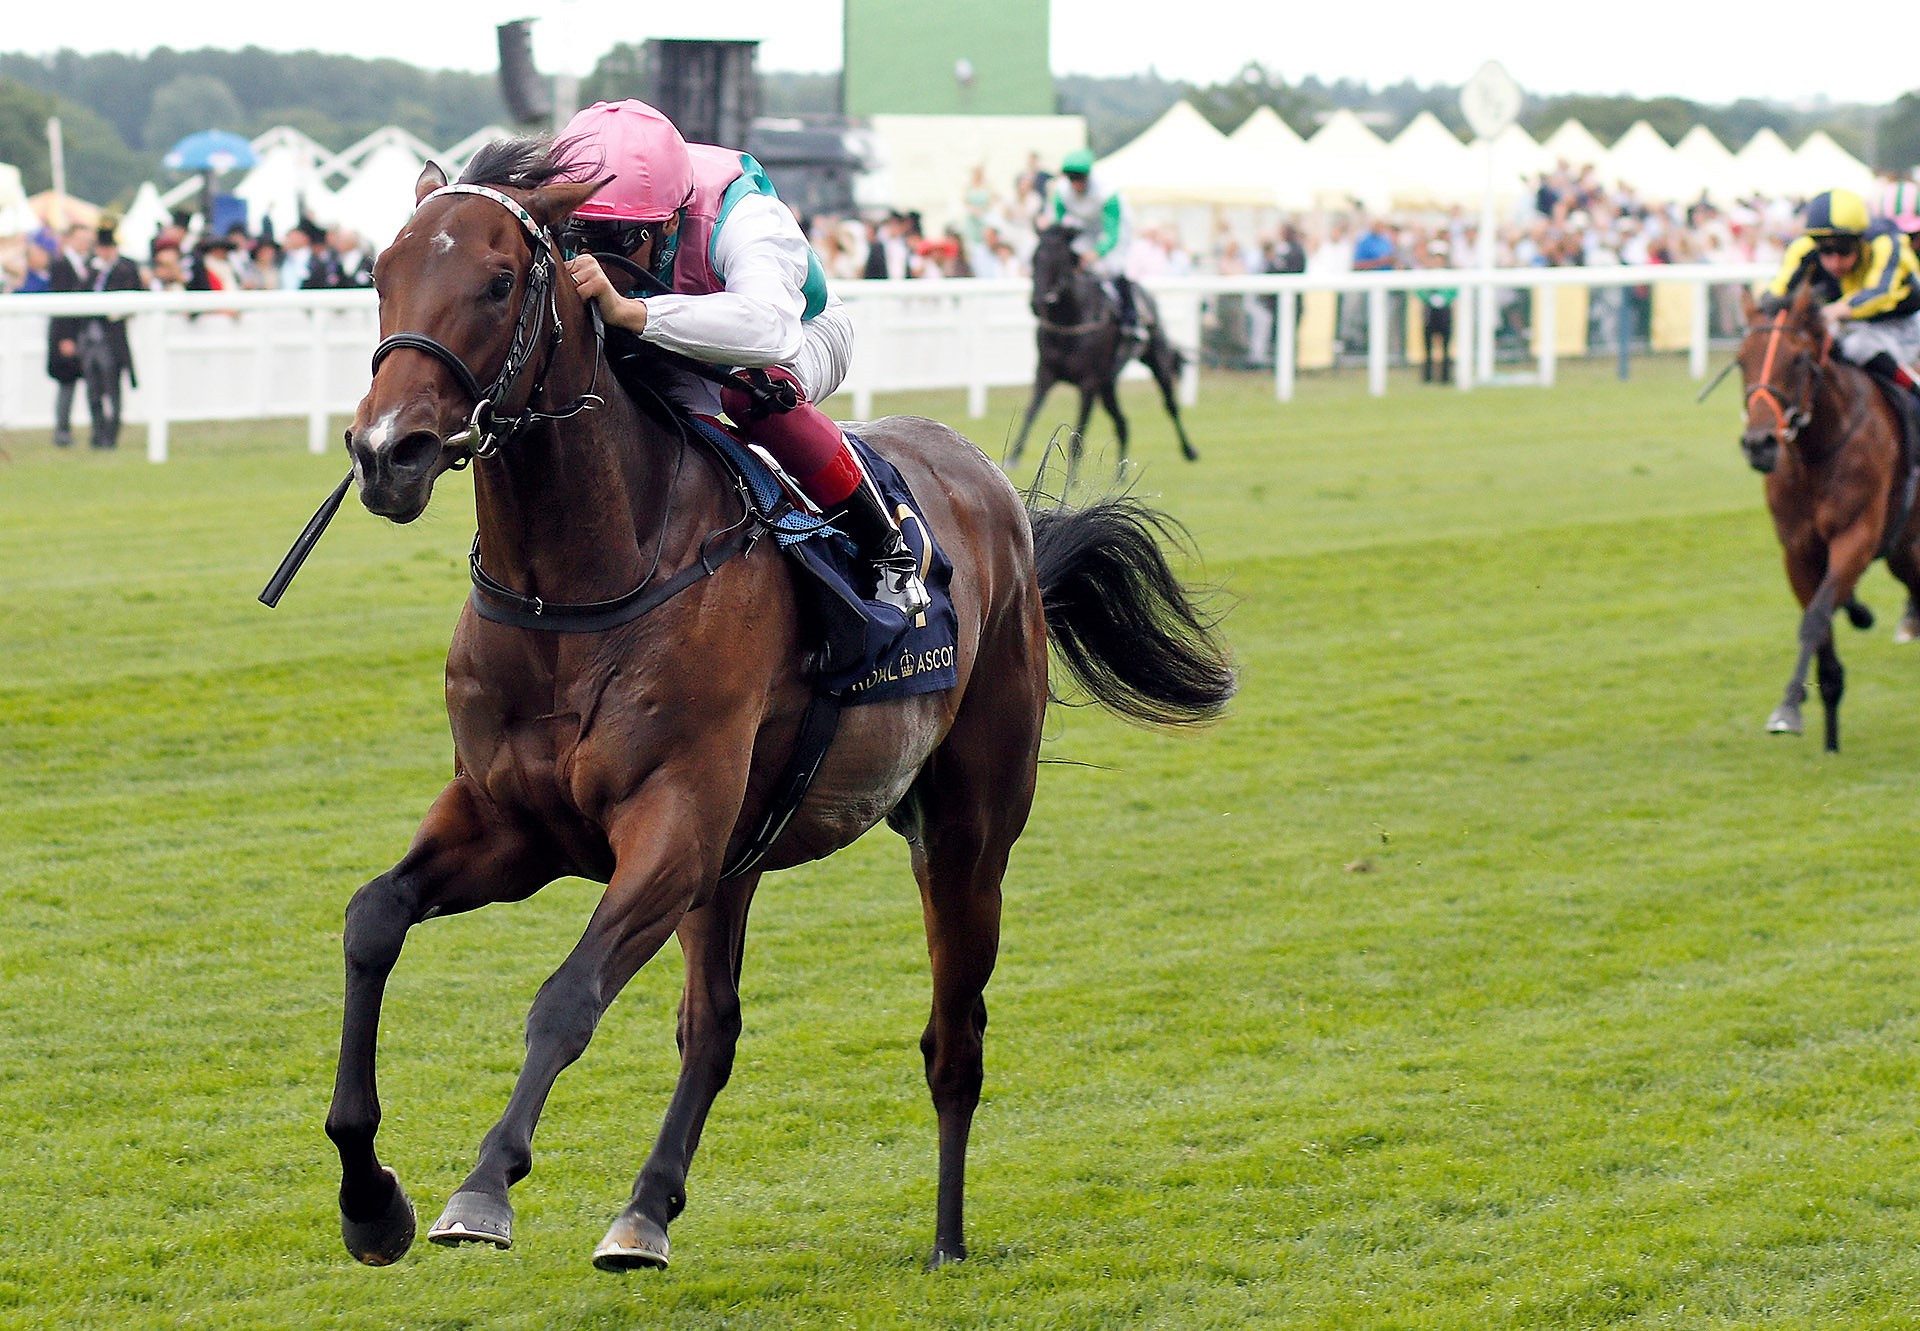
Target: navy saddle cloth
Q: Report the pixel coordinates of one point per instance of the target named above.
(869, 652)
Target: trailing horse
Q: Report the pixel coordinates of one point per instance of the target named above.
(644, 746)
(1079, 342)
(1830, 445)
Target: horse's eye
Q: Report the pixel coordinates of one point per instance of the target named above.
(501, 287)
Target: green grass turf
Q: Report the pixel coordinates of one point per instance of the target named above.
(1486, 967)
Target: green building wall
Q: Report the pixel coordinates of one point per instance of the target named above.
(901, 56)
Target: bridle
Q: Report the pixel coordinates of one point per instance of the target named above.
(490, 426)
(1789, 419)
(1045, 301)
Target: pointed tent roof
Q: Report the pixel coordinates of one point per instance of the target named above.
(1429, 165)
(286, 181)
(1574, 143)
(145, 216)
(1646, 162)
(1764, 165)
(1710, 161)
(1346, 160)
(1517, 161)
(377, 201)
(1182, 159)
(349, 160)
(1269, 146)
(1820, 164)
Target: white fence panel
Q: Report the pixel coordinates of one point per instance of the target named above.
(255, 355)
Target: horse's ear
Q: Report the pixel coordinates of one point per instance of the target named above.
(551, 205)
(1803, 303)
(431, 179)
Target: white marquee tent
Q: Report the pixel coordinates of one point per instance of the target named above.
(1347, 161)
(1710, 162)
(1182, 160)
(1267, 145)
(1822, 164)
(1429, 167)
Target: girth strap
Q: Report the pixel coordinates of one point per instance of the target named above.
(817, 729)
(499, 604)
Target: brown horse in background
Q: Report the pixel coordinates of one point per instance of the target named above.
(1829, 444)
(645, 755)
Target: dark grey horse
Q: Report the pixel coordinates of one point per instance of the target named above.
(1080, 344)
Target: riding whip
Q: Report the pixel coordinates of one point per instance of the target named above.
(1725, 370)
(303, 544)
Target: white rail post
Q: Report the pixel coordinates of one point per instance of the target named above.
(971, 318)
(1190, 373)
(1546, 327)
(1697, 348)
(1485, 322)
(317, 406)
(1284, 312)
(154, 348)
(1464, 353)
(1377, 342)
(869, 331)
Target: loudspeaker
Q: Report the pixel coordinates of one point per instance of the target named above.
(708, 89)
(527, 93)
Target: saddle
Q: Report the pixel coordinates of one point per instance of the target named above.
(864, 651)
(1906, 410)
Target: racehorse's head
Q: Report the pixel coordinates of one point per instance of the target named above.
(472, 296)
(1055, 265)
(1781, 358)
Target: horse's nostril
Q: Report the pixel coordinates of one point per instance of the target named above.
(415, 452)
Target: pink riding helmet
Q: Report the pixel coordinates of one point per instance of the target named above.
(652, 173)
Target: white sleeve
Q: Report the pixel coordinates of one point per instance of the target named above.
(761, 258)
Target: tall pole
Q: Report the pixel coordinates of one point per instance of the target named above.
(56, 153)
(1483, 327)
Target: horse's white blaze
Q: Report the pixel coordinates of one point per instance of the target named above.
(380, 433)
(442, 242)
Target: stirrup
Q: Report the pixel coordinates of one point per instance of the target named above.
(899, 585)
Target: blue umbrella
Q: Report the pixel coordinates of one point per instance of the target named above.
(210, 150)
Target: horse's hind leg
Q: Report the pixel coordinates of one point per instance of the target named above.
(1160, 360)
(1078, 445)
(713, 938)
(970, 804)
(459, 860)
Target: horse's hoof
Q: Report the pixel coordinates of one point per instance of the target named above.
(943, 1256)
(1859, 615)
(1908, 629)
(1189, 452)
(474, 1217)
(633, 1243)
(383, 1239)
(1784, 721)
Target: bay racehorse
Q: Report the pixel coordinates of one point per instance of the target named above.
(1829, 444)
(643, 754)
(1079, 343)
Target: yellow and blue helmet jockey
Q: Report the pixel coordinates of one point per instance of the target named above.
(1837, 214)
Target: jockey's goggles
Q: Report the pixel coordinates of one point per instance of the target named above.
(605, 237)
(1837, 244)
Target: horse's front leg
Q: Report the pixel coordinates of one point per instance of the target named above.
(1820, 593)
(462, 857)
(661, 862)
(713, 937)
(1043, 382)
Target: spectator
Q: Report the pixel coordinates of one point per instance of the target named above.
(36, 275)
(263, 267)
(105, 355)
(295, 259)
(1436, 319)
(167, 272)
(70, 270)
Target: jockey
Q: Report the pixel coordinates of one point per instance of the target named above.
(744, 291)
(1103, 231)
(1866, 275)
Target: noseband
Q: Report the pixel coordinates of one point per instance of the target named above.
(1789, 420)
(489, 427)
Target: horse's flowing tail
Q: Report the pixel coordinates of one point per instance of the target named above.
(1127, 630)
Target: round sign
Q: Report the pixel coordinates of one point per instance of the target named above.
(1491, 100)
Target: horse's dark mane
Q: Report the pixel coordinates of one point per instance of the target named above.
(529, 162)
